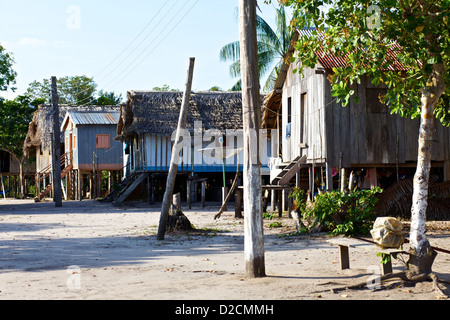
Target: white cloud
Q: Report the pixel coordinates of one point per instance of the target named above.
(63, 44)
(32, 42)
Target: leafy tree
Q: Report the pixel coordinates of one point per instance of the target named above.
(374, 37)
(165, 87)
(215, 88)
(7, 74)
(73, 90)
(272, 47)
(15, 116)
(108, 99)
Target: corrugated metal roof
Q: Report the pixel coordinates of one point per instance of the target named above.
(329, 60)
(94, 117)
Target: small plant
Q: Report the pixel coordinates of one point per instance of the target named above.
(299, 199)
(338, 213)
(269, 215)
(275, 224)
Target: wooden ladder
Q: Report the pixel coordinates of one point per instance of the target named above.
(66, 161)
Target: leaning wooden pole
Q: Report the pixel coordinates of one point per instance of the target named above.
(56, 152)
(251, 104)
(175, 154)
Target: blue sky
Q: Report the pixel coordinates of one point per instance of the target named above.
(92, 38)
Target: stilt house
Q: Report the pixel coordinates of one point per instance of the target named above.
(316, 136)
(148, 123)
(87, 148)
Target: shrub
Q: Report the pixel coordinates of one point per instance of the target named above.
(349, 214)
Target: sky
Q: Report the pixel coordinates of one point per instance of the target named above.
(124, 45)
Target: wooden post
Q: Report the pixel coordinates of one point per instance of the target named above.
(91, 186)
(188, 192)
(328, 177)
(3, 187)
(238, 204)
(175, 154)
(38, 186)
(80, 185)
(150, 189)
(280, 203)
(56, 152)
(203, 193)
(251, 108)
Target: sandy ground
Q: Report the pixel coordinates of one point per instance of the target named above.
(92, 250)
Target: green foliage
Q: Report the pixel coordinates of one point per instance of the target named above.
(108, 99)
(272, 47)
(363, 32)
(275, 224)
(269, 215)
(165, 87)
(298, 197)
(15, 116)
(338, 213)
(74, 90)
(7, 74)
(386, 258)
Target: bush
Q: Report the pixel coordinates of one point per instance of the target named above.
(337, 213)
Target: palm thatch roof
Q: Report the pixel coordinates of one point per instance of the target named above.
(40, 128)
(157, 112)
(396, 200)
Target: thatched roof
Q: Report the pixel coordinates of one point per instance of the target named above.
(157, 112)
(40, 128)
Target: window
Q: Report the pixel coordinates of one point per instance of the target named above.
(302, 117)
(289, 113)
(74, 142)
(102, 141)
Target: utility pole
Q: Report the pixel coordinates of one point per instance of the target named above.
(56, 152)
(167, 200)
(251, 108)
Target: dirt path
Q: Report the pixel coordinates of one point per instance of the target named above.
(92, 250)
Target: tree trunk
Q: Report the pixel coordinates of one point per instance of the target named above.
(251, 108)
(420, 246)
(173, 169)
(176, 220)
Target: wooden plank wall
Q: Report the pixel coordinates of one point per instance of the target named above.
(314, 114)
(366, 138)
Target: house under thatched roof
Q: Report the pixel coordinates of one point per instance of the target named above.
(40, 128)
(157, 112)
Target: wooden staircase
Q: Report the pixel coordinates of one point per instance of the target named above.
(289, 171)
(127, 186)
(66, 162)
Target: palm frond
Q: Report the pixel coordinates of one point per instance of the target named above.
(397, 200)
(235, 69)
(230, 52)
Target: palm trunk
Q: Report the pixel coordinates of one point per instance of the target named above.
(430, 96)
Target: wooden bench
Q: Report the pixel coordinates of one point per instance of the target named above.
(345, 243)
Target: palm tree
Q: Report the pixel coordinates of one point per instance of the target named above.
(272, 47)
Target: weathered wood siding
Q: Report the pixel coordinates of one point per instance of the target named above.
(364, 133)
(85, 147)
(374, 137)
(310, 89)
